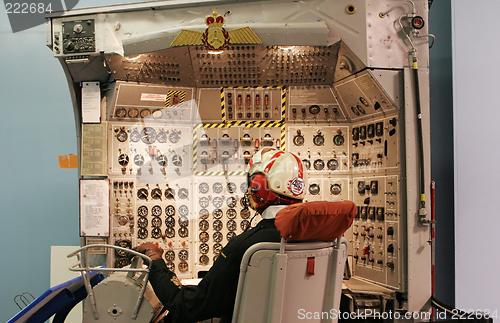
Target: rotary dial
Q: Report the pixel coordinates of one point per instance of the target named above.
(142, 210)
(217, 187)
(231, 225)
(204, 225)
(231, 187)
(204, 236)
(156, 233)
(217, 201)
(203, 188)
(204, 248)
(217, 236)
(218, 213)
(231, 213)
(156, 222)
(170, 221)
(148, 135)
(204, 213)
(170, 210)
(183, 210)
(170, 232)
(170, 255)
(183, 232)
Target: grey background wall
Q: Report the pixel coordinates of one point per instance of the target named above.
(39, 201)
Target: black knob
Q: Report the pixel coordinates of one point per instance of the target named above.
(390, 231)
(390, 248)
(70, 46)
(390, 264)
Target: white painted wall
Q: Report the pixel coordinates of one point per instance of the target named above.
(476, 71)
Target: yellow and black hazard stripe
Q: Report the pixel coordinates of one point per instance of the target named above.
(234, 173)
(222, 106)
(283, 103)
(283, 136)
(195, 144)
(169, 101)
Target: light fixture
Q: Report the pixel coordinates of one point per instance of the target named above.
(133, 57)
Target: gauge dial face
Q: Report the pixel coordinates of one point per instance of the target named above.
(204, 248)
(203, 225)
(169, 255)
(183, 266)
(133, 113)
(243, 187)
(156, 194)
(204, 260)
(169, 193)
(183, 210)
(319, 164)
(183, 193)
(183, 232)
(204, 236)
(142, 210)
(142, 194)
(177, 160)
(170, 232)
(170, 210)
(336, 189)
(142, 233)
(122, 136)
(183, 221)
(124, 244)
(123, 159)
(142, 222)
(120, 263)
(231, 225)
(298, 140)
(139, 160)
(145, 113)
(230, 235)
(319, 140)
(244, 202)
(162, 160)
(314, 109)
(203, 188)
(156, 233)
(338, 140)
(183, 254)
(123, 220)
(218, 213)
(332, 164)
(217, 187)
(217, 225)
(120, 113)
(217, 201)
(245, 213)
(157, 114)
(231, 213)
(156, 222)
(217, 248)
(148, 135)
(244, 224)
(171, 266)
(204, 213)
(170, 221)
(135, 136)
(203, 201)
(161, 137)
(217, 236)
(231, 187)
(314, 189)
(306, 163)
(174, 137)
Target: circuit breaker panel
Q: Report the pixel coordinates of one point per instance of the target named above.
(180, 119)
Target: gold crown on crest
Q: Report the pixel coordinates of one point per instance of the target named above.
(215, 20)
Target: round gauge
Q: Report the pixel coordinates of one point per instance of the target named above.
(203, 225)
(142, 194)
(120, 113)
(306, 163)
(217, 187)
(314, 109)
(245, 213)
(123, 220)
(332, 164)
(203, 187)
(142, 233)
(319, 164)
(156, 233)
(183, 221)
(135, 136)
(122, 136)
(204, 213)
(298, 140)
(314, 189)
(336, 189)
(156, 222)
(204, 248)
(177, 160)
(170, 221)
(338, 140)
(355, 110)
(123, 159)
(183, 210)
(218, 213)
(157, 114)
(183, 266)
(217, 225)
(156, 194)
(319, 140)
(120, 263)
(231, 202)
(217, 201)
(361, 109)
(124, 244)
(148, 135)
(231, 213)
(169, 193)
(133, 113)
(139, 160)
(231, 187)
(364, 101)
(183, 232)
(244, 202)
(161, 137)
(142, 210)
(217, 248)
(170, 266)
(142, 222)
(183, 254)
(204, 236)
(162, 160)
(174, 137)
(169, 255)
(203, 201)
(244, 224)
(170, 232)
(230, 235)
(231, 225)
(218, 236)
(204, 260)
(156, 210)
(170, 210)
(243, 187)
(145, 113)
(183, 193)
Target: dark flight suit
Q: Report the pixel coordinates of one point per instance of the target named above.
(215, 294)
